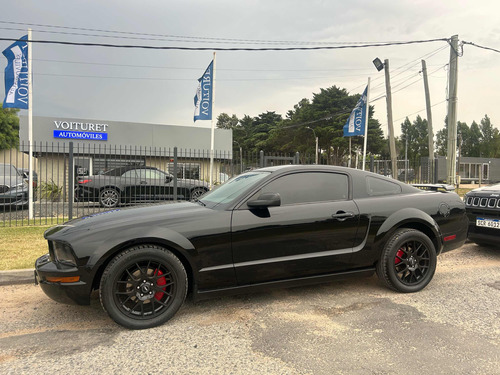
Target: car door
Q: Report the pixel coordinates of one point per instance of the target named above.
(311, 233)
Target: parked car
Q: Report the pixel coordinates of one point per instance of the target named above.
(133, 184)
(26, 175)
(483, 210)
(13, 187)
(271, 227)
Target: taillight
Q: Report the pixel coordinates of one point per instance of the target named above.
(84, 181)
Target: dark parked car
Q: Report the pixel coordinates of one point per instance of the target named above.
(277, 226)
(26, 175)
(133, 184)
(483, 211)
(13, 187)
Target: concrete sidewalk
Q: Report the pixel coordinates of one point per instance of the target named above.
(25, 276)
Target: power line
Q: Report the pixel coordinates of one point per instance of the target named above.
(107, 45)
(483, 47)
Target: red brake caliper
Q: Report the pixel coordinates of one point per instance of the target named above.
(399, 255)
(161, 281)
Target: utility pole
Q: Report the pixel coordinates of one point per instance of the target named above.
(392, 142)
(452, 112)
(430, 130)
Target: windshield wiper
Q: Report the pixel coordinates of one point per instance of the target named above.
(199, 202)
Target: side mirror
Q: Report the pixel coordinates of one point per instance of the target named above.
(168, 178)
(265, 200)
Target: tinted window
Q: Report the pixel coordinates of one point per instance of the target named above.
(129, 174)
(377, 186)
(309, 187)
(150, 173)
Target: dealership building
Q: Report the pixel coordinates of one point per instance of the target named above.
(96, 146)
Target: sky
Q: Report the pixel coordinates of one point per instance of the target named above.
(158, 86)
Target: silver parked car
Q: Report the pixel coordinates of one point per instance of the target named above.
(13, 187)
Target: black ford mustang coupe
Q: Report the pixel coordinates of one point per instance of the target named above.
(277, 226)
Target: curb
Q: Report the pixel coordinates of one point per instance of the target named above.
(14, 277)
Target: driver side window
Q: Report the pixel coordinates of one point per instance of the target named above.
(308, 187)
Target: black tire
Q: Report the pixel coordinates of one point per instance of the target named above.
(109, 197)
(143, 287)
(408, 261)
(197, 192)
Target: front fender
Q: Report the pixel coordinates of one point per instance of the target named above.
(118, 240)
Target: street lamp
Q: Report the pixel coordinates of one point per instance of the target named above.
(392, 143)
(316, 158)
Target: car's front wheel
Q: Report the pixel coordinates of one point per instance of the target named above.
(408, 261)
(109, 197)
(143, 287)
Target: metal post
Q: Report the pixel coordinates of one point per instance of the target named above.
(452, 112)
(71, 181)
(429, 120)
(175, 173)
(392, 142)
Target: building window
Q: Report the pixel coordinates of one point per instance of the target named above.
(472, 171)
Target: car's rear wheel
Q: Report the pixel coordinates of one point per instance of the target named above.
(143, 287)
(408, 261)
(109, 197)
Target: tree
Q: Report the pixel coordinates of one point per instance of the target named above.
(224, 121)
(326, 113)
(489, 138)
(9, 128)
(416, 136)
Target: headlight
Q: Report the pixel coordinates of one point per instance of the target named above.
(21, 185)
(63, 253)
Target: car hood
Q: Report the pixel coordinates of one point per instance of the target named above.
(486, 189)
(10, 180)
(157, 215)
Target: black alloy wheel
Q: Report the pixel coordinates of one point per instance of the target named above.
(408, 261)
(143, 287)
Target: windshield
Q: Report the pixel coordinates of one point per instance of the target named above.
(228, 191)
(8, 170)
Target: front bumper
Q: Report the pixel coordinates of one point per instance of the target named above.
(68, 293)
(484, 235)
(14, 198)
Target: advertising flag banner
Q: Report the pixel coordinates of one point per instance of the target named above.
(355, 124)
(16, 75)
(203, 97)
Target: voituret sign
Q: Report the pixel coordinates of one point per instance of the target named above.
(80, 130)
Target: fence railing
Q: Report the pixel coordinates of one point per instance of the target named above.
(74, 180)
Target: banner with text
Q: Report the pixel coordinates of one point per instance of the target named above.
(203, 97)
(355, 124)
(16, 75)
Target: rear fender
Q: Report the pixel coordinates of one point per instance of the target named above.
(410, 218)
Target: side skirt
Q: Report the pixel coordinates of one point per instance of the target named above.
(199, 295)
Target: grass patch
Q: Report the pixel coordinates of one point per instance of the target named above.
(21, 246)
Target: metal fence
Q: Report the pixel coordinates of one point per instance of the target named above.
(74, 180)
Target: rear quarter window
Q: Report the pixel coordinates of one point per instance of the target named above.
(379, 187)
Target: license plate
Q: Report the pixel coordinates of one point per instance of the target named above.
(488, 223)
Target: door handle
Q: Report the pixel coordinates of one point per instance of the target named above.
(342, 215)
